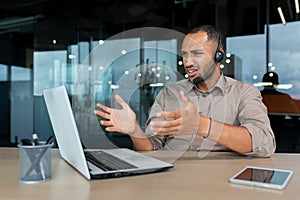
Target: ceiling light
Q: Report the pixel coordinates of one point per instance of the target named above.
(281, 15)
(101, 42)
(259, 84)
(297, 6)
(271, 74)
(114, 87)
(270, 64)
(285, 86)
(156, 84)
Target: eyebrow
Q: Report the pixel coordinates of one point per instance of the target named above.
(196, 50)
(193, 51)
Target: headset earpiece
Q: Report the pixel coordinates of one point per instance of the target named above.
(219, 55)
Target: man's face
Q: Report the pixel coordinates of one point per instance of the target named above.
(198, 55)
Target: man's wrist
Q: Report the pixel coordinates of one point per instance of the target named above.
(138, 132)
(209, 128)
(204, 126)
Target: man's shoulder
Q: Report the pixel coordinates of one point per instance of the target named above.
(183, 84)
(237, 83)
(240, 87)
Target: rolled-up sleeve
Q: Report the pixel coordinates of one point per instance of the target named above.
(167, 99)
(253, 115)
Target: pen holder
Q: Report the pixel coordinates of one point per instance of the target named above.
(35, 163)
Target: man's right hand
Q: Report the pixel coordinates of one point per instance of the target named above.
(117, 120)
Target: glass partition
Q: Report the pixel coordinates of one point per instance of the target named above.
(21, 106)
(75, 44)
(285, 57)
(133, 68)
(3, 73)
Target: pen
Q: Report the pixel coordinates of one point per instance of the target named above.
(35, 139)
(26, 142)
(50, 140)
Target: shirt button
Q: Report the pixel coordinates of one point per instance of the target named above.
(204, 95)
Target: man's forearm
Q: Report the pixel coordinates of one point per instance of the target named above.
(140, 141)
(236, 138)
(142, 144)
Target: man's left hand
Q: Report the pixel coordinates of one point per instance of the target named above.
(185, 121)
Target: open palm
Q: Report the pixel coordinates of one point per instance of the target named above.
(118, 120)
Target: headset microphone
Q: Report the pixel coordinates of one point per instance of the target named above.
(210, 71)
(197, 80)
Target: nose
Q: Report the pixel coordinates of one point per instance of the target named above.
(188, 60)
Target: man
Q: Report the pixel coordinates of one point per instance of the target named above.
(273, 81)
(276, 101)
(208, 106)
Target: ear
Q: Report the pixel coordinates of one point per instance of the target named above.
(222, 50)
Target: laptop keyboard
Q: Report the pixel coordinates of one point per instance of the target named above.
(107, 162)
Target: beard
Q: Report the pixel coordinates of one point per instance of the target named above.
(204, 77)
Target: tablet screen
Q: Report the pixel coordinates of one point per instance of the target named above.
(265, 177)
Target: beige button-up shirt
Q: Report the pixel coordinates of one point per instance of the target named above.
(230, 101)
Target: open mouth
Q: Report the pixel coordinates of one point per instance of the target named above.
(191, 72)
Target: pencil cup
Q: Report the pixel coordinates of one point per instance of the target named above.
(35, 163)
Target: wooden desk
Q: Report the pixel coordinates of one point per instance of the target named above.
(191, 178)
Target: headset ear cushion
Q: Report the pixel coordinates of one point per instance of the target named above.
(219, 56)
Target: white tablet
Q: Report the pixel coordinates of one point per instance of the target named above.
(262, 177)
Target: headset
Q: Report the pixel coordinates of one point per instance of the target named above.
(219, 55)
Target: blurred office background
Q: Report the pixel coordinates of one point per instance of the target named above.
(47, 43)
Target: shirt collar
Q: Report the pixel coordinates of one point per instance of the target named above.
(220, 85)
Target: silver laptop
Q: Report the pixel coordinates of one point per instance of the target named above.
(93, 164)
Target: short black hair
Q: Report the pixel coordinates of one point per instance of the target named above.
(212, 32)
(271, 77)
